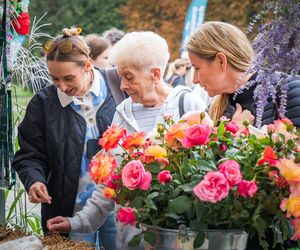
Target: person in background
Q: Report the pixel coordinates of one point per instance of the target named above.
(177, 72)
(99, 50)
(57, 135)
(113, 35)
(221, 56)
(188, 77)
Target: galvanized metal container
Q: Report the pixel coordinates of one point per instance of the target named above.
(167, 239)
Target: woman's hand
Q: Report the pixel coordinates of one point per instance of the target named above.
(38, 193)
(241, 115)
(58, 224)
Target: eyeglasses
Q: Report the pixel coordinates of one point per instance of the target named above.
(65, 47)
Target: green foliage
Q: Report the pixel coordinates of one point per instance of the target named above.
(92, 16)
(18, 216)
(209, 177)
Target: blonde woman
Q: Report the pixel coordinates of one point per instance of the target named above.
(221, 56)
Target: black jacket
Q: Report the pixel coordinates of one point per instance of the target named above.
(51, 140)
(270, 113)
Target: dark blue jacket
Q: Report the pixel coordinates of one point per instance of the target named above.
(270, 113)
(51, 140)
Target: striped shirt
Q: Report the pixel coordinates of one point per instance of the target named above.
(145, 116)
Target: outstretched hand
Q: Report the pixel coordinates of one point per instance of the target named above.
(58, 224)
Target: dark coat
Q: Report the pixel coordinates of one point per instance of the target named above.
(51, 139)
(270, 113)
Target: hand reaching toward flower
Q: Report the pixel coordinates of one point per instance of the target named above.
(58, 224)
(241, 115)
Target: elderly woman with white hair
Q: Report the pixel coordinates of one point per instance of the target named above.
(141, 59)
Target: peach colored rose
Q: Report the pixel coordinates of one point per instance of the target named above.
(102, 168)
(134, 176)
(231, 170)
(126, 215)
(289, 170)
(175, 133)
(195, 117)
(247, 188)
(196, 135)
(155, 153)
(137, 140)
(291, 205)
(296, 225)
(111, 137)
(213, 188)
(109, 193)
(164, 177)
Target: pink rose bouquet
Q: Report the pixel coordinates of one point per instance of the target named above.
(204, 177)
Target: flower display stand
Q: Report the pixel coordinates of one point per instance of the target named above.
(183, 239)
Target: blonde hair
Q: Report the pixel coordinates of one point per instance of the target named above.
(80, 50)
(215, 37)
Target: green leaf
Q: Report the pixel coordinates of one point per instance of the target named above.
(13, 205)
(153, 168)
(173, 216)
(196, 226)
(221, 129)
(204, 165)
(152, 195)
(135, 241)
(198, 242)
(232, 152)
(189, 187)
(150, 237)
(179, 205)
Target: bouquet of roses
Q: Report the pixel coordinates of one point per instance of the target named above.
(190, 172)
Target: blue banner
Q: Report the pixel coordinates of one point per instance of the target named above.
(193, 20)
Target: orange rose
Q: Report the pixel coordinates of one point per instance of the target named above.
(136, 140)
(289, 170)
(109, 193)
(111, 137)
(176, 133)
(102, 168)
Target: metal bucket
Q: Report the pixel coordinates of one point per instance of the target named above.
(182, 239)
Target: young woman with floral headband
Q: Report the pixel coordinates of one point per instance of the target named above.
(56, 135)
(221, 56)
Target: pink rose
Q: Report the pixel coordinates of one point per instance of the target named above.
(164, 177)
(247, 188)
(134, 176)
(196, 135)
(231, 170)
(232, 127)
(213, 188)
(126, 215)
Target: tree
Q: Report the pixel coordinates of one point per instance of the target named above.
(92, 16)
